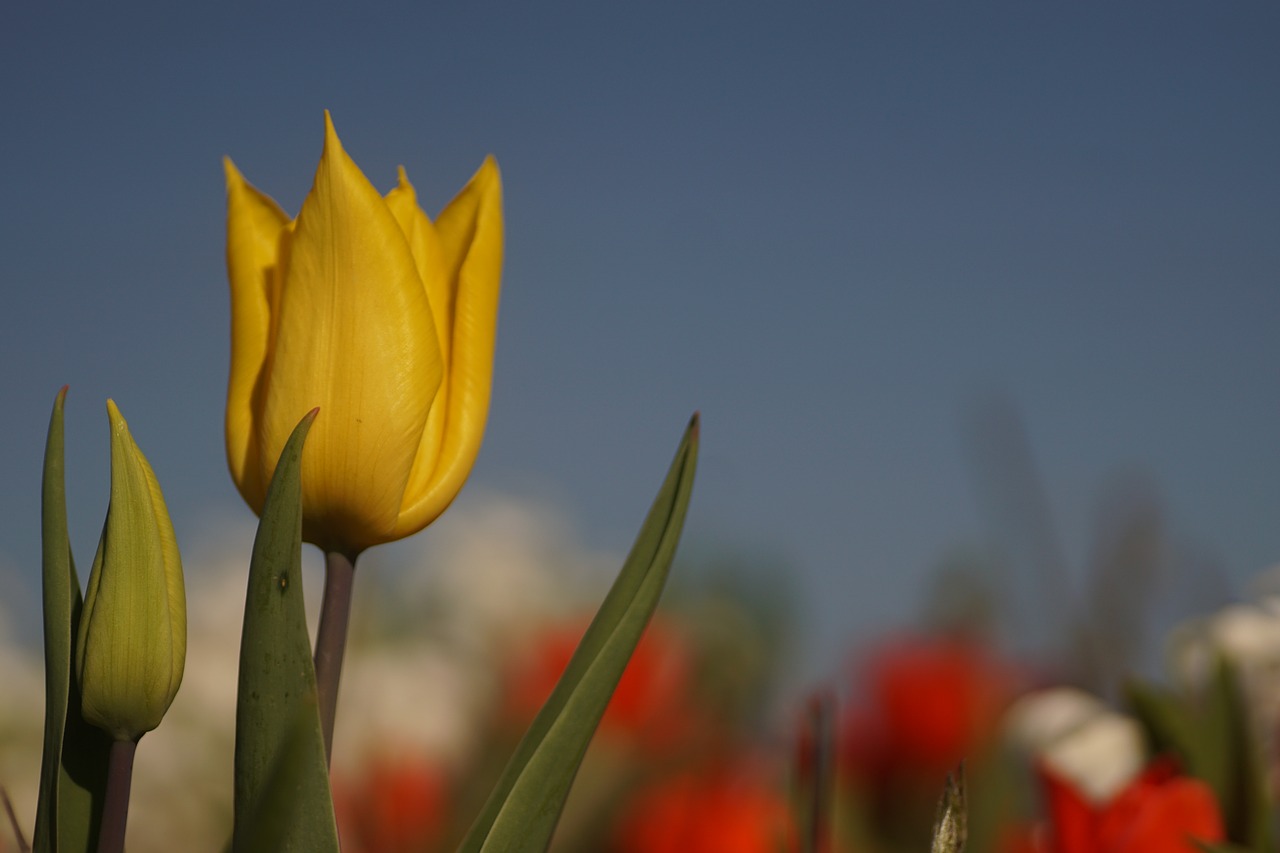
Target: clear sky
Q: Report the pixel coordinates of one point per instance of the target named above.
(830, 227)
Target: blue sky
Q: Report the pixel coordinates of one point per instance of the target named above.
(832, 228)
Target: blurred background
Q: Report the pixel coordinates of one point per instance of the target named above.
(978, 302)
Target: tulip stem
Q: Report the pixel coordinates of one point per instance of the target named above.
(331, 638)
(816, 770)
(115, 806)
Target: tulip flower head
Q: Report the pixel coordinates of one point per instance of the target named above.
(383, 319)
(132, 642)
(1160, 811)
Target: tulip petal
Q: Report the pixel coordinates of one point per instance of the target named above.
(471, 234)
(254, 227)
(355, 336)
(439, 282)
(428, 254)
(175, 588)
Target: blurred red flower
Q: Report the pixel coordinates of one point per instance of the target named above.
(1158, 812)
(928, 703)
(399, 804)
(723, 808)
(651, 703)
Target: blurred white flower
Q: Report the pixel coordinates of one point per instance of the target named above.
(1098, 750)
(1247, 636)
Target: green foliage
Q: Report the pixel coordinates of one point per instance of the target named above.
(282, 800)
(522, 811)
(1215, 742)
(73, 769)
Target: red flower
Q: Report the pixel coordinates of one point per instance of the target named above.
(650, 703)
(399, 805)
(929, 703)
(720, 809)
(1159, 812)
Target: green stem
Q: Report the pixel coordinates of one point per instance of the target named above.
(115, 808)
(331, 638)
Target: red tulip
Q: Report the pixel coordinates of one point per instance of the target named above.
(399, 805)
(721, 809)
(929, 703)
(1159, 812)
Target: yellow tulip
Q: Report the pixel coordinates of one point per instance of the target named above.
(386, 321)
(132, 643)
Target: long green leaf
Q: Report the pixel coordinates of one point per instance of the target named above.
(1243, 795)
(1171, 726)
(282, 800)
(523, 809)
(73, 768)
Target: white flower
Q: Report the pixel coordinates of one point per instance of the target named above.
(1097, 749)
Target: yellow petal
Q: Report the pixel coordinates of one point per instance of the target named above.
(254, 226)
(354, 336)
(428, 254)
(471, 234)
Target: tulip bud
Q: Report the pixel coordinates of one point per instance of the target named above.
(132, 642)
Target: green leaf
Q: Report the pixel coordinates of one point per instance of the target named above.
(522, 811)
(1243, 789)
(275, 814)
(73, 768)
(1172, 727)
(282, 800)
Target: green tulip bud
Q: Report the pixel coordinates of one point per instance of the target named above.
(132, 643)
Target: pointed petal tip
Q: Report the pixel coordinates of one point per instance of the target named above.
(62, 395)
(234, 178)
(330, 134)
(403, 184)
(489, 170)
(116, 419)
(695, 423)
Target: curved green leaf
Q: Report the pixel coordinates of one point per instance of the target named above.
(282, 800)
(523, 809)
(1246, 803)
(73, 769)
